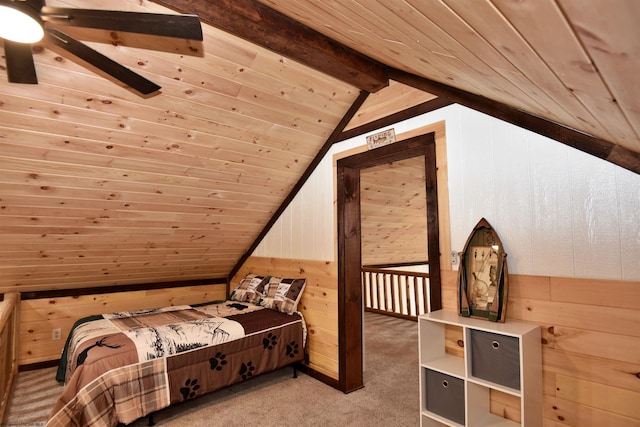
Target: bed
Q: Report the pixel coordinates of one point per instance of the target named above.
(119, 367)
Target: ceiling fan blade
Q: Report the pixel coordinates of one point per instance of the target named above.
(20, 66)
(178, 26)
(103, 63)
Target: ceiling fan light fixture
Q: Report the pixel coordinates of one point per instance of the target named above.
(19, 22)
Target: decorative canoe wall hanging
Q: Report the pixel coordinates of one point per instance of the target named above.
(482, 276)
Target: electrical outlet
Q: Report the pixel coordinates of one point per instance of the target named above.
(454, 257)
(56, 334)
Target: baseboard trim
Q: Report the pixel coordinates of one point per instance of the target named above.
(38, 365)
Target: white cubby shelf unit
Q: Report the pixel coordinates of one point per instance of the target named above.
(455, 391)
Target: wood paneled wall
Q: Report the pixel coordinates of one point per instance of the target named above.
(319, 304)
(39, 317)
(590, 351)
(394, 212)
(591, 341)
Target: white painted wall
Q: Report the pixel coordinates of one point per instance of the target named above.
(558, 211)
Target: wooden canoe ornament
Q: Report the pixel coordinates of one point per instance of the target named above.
(482, 276)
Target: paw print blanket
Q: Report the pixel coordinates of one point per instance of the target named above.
(119, 367)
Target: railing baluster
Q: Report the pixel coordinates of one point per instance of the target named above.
(383, 291)
(395, 293)
(366, 285)
(374, 290)
(420, 295)
(414, 297)
(379, 290)
(402, 293)
(391, 306)
(425, 293)
(382, 304)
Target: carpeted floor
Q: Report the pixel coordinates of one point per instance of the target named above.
(34, 394)
(389, 398)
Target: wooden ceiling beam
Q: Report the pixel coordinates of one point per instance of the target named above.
(579, 140)
(266, 27)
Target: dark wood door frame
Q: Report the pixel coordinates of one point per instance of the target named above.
(350, 310)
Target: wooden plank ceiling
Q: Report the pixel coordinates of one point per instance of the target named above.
(556, 59)
(102, 187)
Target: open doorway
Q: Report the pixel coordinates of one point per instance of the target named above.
(395, 263)
(350, 296)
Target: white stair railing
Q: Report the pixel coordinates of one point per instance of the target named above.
(395, 292)
(9, 323)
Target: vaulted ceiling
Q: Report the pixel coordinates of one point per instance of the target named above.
(101, 187)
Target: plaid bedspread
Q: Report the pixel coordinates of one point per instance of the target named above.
(123, 366)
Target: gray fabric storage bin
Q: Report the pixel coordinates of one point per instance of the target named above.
(495, 358)
(445, 395)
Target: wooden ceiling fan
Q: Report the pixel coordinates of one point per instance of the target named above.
(46, 20)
